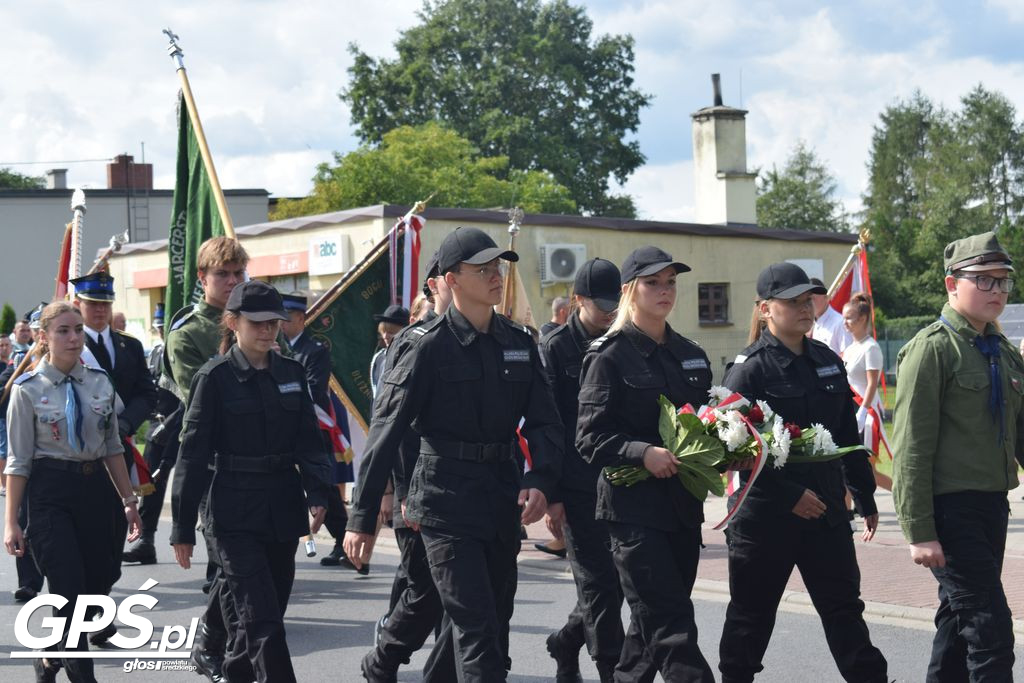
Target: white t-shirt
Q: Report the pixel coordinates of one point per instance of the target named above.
(859, 357)
(829, 329)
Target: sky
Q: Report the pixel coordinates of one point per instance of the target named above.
(88, 80)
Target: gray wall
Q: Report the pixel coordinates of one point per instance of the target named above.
(32, 227)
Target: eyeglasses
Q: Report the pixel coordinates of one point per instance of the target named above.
(985, 283)
(488, 272)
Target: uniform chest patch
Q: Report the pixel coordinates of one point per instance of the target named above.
(516, 355)
(289, 388)
(828, 371)
(1015, 383)
(695, 364)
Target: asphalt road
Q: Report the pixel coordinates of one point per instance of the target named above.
(331, 613)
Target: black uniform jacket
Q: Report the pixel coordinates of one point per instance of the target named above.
(623, 376)
(316, 359)
(409, 451)
(455, 385)
(562, 351)
(805, 389)
(238, 411)
(132, 380)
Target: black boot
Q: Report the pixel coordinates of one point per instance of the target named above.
(374, 672)
(606, 671)
(333, 558)
(45, 672)
(567, 660)
(103, 635)
(208, 653)
(79, 670)
(143, 552)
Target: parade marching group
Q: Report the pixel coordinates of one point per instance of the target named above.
(479, 429)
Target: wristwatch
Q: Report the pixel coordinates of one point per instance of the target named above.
(129, 500)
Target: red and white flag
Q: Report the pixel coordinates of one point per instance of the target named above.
(411, 225)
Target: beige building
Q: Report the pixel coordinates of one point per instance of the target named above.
(714, 301)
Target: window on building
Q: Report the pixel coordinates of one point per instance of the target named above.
(289, 283)
(713, 303)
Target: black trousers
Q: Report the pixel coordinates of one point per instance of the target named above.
(597, 617)
(761, 559)
(657, 570)
(474, 577)
(151, 505)
(68, 519)
(974, 628)
(259, 574)
(28, 573)
(417, 611)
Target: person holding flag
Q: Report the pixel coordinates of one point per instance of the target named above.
(863, 361)
(464, 386)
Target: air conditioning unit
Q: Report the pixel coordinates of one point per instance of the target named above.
(560, 262)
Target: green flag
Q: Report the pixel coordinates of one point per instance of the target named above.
(342, 320)
(194, 218)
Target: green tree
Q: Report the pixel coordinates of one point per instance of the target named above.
(410, 163)
(521, 79)
(7, 319)
(936, 176)
(12, 180)
(801, 196)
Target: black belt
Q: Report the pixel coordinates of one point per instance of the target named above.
(462, 450)
(85, 467)
(225, 462)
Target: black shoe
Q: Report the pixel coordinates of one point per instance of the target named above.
(347, 564)
(377, 628)
(209, 665)
(25, 593)
(550, 551)
(333, 558)
(103, 635)
(144, 552)
(606, 671)
(374, 672)
(45, 672)
(567, 663)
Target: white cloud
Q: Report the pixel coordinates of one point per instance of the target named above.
(664, 192)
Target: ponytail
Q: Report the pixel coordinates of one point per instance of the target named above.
(757, 324)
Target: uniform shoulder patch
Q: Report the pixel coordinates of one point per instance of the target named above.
(185, 314)
(125, 334)
(418, 331)
(26, 377)
(740, 358)
(598, 343)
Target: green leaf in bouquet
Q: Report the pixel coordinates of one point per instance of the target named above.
(701, 449)
(700, 479)
(667, 424)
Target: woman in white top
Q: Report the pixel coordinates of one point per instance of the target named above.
(863, 360)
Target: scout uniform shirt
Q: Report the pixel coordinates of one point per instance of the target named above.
(38, 417)
(945, 437)
(194, 339)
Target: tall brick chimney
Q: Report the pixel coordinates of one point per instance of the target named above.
(124, 174)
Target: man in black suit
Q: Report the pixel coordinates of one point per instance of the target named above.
(317, 361)
(122, 357)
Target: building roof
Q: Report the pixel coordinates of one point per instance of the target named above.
(501, 217)
(119, 192)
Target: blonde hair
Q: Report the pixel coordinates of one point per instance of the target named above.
(227, 335)
(627, 304)
(217, 251)
(757, 324)
(416, 310)
(55, 309)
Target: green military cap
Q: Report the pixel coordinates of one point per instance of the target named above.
(976, 253)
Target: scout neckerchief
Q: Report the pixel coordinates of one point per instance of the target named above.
(989, 346)
(73, 413)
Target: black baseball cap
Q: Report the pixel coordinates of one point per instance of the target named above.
(648, 261)
(469, 245)
(257, 301)
(599, 280)
(785, 281)
(393, 314)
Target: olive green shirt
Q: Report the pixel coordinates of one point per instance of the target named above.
(945, 438)
(194, 339)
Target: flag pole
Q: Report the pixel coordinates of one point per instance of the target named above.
(78, 210)
(854, 252)
(515, 218)
(176, 53)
